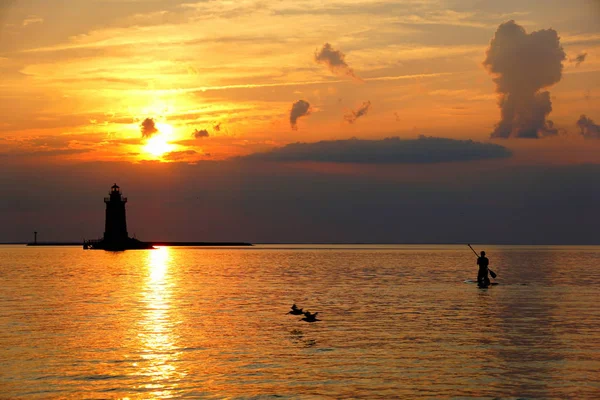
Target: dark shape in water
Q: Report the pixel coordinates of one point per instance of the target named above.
(483, 263)
(296, 310)
(309, 317)
(116, 237)
(482, 275)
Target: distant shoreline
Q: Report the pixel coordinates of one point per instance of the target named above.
(245, 244)
(178, 244)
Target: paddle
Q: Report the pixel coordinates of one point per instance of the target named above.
(492, 273)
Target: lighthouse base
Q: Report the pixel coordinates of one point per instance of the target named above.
(129, 244)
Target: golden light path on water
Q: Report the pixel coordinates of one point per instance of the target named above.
(157, 340)
(214, 323)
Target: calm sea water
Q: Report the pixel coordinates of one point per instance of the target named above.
(397, 322)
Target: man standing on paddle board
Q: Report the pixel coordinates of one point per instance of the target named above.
(482, 275)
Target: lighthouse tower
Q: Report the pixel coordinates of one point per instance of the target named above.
(115, 228)
(115, 231)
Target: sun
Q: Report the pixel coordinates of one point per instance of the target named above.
(159, 144)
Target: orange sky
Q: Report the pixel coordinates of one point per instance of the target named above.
(79, 77)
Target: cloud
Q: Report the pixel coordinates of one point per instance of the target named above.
(299, 109)
(120, 141)
(424, 150)
(198, 134)
(523, 64)
(354, 115)
(46, 153)
(548, 129)
(335, 61)
(179, 155)
(579, 59)
(148, 128)
(32, 19)
(588, 128)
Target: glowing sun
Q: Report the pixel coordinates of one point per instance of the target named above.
(159, 144)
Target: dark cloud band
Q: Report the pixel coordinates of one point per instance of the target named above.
(424, 150)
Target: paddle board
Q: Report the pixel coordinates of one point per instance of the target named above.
(482, 287)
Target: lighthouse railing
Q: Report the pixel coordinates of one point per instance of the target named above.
(123, 199)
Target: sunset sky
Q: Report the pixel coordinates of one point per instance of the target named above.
(211, 115)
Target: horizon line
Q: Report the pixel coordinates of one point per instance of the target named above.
(228, 243)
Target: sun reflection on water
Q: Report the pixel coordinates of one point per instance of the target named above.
(158, 341)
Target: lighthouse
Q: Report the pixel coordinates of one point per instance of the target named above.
(115, 230)
(115, 237)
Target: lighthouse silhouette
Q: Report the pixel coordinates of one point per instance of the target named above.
(115, 230)
(115, 237)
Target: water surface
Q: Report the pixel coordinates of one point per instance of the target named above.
(397, 321)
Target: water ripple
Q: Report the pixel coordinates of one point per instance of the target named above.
(397, 322)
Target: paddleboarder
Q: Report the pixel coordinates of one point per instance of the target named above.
(482, 275)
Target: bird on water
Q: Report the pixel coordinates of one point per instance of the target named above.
(310, 317)
(296, 310)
